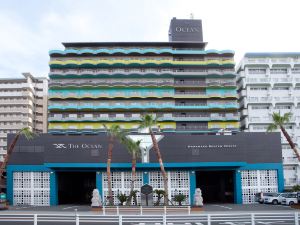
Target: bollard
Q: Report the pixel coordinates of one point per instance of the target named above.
(35, 219)
(118, 210)
(103, 210)
(165, 210)
(141, 210)
(189, 210)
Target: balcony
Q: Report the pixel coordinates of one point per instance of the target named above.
(190, 84)
(290, 161)
(191, 128)
(190, 95)
(258, 80)
(259, 99)
(98, 83)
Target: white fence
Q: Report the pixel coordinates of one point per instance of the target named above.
(199, 219)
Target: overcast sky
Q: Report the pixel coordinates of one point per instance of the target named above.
(30, 28)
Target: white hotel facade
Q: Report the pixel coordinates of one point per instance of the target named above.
(267, 83)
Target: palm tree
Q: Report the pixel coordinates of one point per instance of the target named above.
(113, 132)
(148, 121)
(279, 122)
(134, 149)
(26, 131)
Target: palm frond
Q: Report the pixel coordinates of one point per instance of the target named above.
(286, 117)
(272, 127)
(26, 131)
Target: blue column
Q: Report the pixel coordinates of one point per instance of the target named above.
(238, 199)
(9, 185)
(145, 177)
(192, 185)
(53, 189)
(280, 178)
(99, 182)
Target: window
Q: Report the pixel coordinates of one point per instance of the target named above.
(296, 70)
(260, 107)
(283, 107)
(278, 71)
(257, 71)
(258, 88)
(281, 88)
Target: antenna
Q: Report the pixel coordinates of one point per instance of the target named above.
(192, 16)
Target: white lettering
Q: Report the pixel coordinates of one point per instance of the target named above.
(187, 29)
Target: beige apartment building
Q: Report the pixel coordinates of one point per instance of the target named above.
(23, 103)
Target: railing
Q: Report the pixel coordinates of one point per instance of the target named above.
(232, 218)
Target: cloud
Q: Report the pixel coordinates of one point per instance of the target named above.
(29, 29)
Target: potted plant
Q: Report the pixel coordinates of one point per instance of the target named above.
(160, 194)
(179, 198)
(122, 198)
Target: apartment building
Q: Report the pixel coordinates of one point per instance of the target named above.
(267, 83)
(23, 103)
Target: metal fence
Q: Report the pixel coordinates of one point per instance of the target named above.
(197, 219)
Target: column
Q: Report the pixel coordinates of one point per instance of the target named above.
(99, 183)
(238, 199)
(53, 189)
(192, 185)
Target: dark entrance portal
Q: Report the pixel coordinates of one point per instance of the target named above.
(216, 186)
(76, 187)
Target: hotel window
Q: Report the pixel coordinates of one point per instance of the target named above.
(72, 115)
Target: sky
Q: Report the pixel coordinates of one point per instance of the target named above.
(30, 28)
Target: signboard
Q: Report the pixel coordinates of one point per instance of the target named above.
(146, 189)
(185, 30)
(147, 195)
(175, 148)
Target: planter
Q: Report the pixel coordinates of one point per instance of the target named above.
(97, 209)
(295, 206)
(197, 208)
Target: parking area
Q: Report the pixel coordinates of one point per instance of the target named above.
(208, 208)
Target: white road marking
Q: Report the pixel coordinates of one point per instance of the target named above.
(70, 207)
(222, 206)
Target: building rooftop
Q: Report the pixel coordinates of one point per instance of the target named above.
(201, 45)
(271, 54)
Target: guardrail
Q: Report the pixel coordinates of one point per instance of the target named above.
(209, 219)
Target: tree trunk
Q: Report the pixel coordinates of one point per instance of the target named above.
(133, 176)
(109, 157)
(9, 151)
(162, 168)
(291, 143)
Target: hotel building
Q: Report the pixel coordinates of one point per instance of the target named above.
(191, 90)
